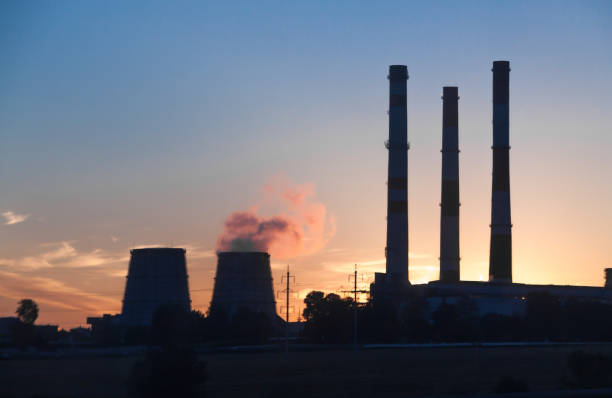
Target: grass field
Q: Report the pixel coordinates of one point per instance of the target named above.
(379, 372)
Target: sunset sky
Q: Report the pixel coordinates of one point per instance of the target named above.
(134, 124)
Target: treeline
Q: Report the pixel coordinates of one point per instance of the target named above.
(329, 319)
(175, 326)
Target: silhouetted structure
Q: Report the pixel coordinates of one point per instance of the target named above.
(156, 276)
(396, 251)
(243, 279)
(608, 272)
(449, 206)
(498, 297)
(500, 255)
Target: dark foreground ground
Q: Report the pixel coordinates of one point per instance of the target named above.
(342, 373)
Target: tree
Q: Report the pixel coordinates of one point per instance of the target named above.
(27, 311)
(329, 319)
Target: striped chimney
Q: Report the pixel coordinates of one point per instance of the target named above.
(396, 251)
(449, 206)
(500, 260)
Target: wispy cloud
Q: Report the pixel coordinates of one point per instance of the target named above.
(63, 254)
(55, 293)
(375, 265)
(12, 218)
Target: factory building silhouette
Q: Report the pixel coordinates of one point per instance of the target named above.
(499, 294)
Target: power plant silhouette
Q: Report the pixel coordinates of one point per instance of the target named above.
(499, 294)
(158, 276)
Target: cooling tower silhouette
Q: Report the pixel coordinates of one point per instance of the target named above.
(157, 276)
(243, 280)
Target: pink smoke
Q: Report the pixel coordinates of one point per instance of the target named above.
(302, 226)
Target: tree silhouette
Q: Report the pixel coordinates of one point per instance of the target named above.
(27, 311)
(329, 319)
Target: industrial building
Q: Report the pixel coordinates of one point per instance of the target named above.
(499, 294)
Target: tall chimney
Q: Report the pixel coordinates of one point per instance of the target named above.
(500, 254)
(449, 207)
(396, 251)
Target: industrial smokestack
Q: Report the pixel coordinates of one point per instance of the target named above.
(500, 254)
(157, 276)
(449, 206)
(396, 251)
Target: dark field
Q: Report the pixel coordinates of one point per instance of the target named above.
(380, 372)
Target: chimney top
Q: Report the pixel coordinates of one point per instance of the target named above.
(450, 92)
(398, 72)
(501, 65)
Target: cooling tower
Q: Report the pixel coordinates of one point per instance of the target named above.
(243, 279)
(396, 250)
(157, 276)
(500, 252)
(449, 206)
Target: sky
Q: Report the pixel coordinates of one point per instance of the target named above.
(135, 124)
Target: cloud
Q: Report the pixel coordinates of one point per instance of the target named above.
(63, 254)
(12, 218)
(55, 293)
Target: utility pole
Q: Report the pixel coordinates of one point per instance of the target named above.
(355, 312)
(355, 306)
(287, 291)
(287, 320)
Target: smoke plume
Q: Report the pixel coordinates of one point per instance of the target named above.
(301, 226)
